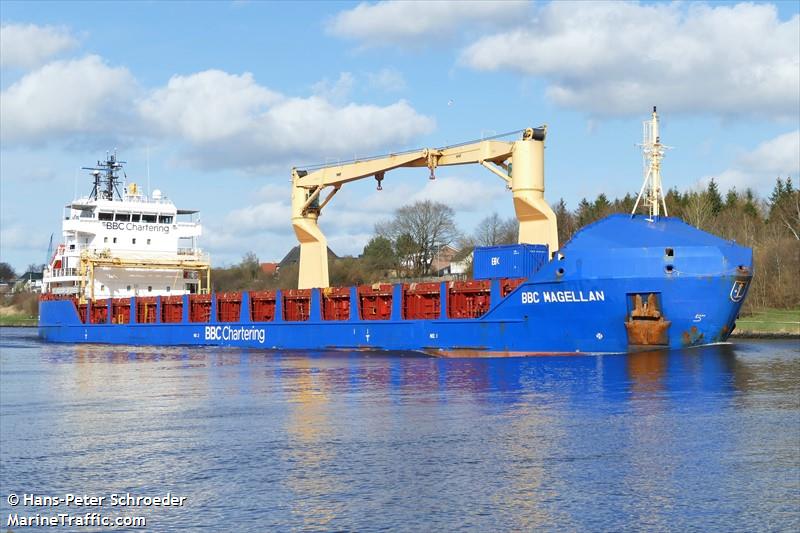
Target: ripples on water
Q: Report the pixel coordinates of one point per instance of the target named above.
(701, 439)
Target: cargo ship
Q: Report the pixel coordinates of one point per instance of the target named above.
(129, 272)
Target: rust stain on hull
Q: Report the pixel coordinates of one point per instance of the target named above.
(646, 326)
(692, 337)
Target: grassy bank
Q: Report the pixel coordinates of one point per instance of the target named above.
(770, 322)
(17, 319)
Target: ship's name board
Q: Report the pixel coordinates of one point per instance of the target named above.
(536, 297)
(134, 226)
(228, 333)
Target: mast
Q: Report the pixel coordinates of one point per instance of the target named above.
(106, 178)
(652, 194)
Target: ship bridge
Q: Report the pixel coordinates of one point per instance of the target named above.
(121, 241)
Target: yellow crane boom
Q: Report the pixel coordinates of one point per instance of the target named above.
(519, 163)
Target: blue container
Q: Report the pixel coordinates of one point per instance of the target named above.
(508, 260)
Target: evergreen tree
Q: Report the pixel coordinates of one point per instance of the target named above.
(601, 206)
(731, 199)
(379, 253)
(777, 192)
(713, 197)
(750, 203)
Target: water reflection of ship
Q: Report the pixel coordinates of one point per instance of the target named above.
(308, 426)
(646, 371)
(638, 374)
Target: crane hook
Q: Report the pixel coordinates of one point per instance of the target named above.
(433, 161)
(379, 179)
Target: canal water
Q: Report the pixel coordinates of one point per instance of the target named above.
(702, 439)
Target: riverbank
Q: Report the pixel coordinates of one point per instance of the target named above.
(10, 317)
(769, 323)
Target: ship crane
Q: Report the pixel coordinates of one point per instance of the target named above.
(537, 222)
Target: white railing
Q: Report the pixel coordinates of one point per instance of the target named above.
(63, 272)
(190, 251)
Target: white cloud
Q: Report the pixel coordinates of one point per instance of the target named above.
(459, 193)
(67, 99)
(412, 23)
(272, 216)
(207, 106)
(387, 79)
(781, 154)
(220, 120)
(758, 168)
(17, 237)
(619, 58)
(28, 45)
(229, 120)
(348, 221)
(337, 91)
(228, 247)
(462, 194)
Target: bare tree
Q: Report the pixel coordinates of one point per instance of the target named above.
(429, 225)
(494, 230)
(788, 213)
(698, 210)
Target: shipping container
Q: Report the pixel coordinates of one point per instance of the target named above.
(262, 306)
(335, 303)
(468, 299)
(509, 260)
(375, 301)
(121, 311)
(199, 307)
(80, 309)
(171, 309)
(421, 301)
(98, 312)
(296, 305)
(146, 309)
(229, 306)
(508, 285)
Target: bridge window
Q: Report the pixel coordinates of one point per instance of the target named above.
(165, 219)
(136, 217)
(105, 216)
(123, 217)
(148, 218)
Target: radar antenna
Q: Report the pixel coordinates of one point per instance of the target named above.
(106, 178)
(651, 194)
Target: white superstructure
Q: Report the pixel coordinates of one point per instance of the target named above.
(120, 242)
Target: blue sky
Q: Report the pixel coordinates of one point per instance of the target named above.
(227, 97)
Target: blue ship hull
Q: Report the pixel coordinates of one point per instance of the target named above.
(580, 301)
